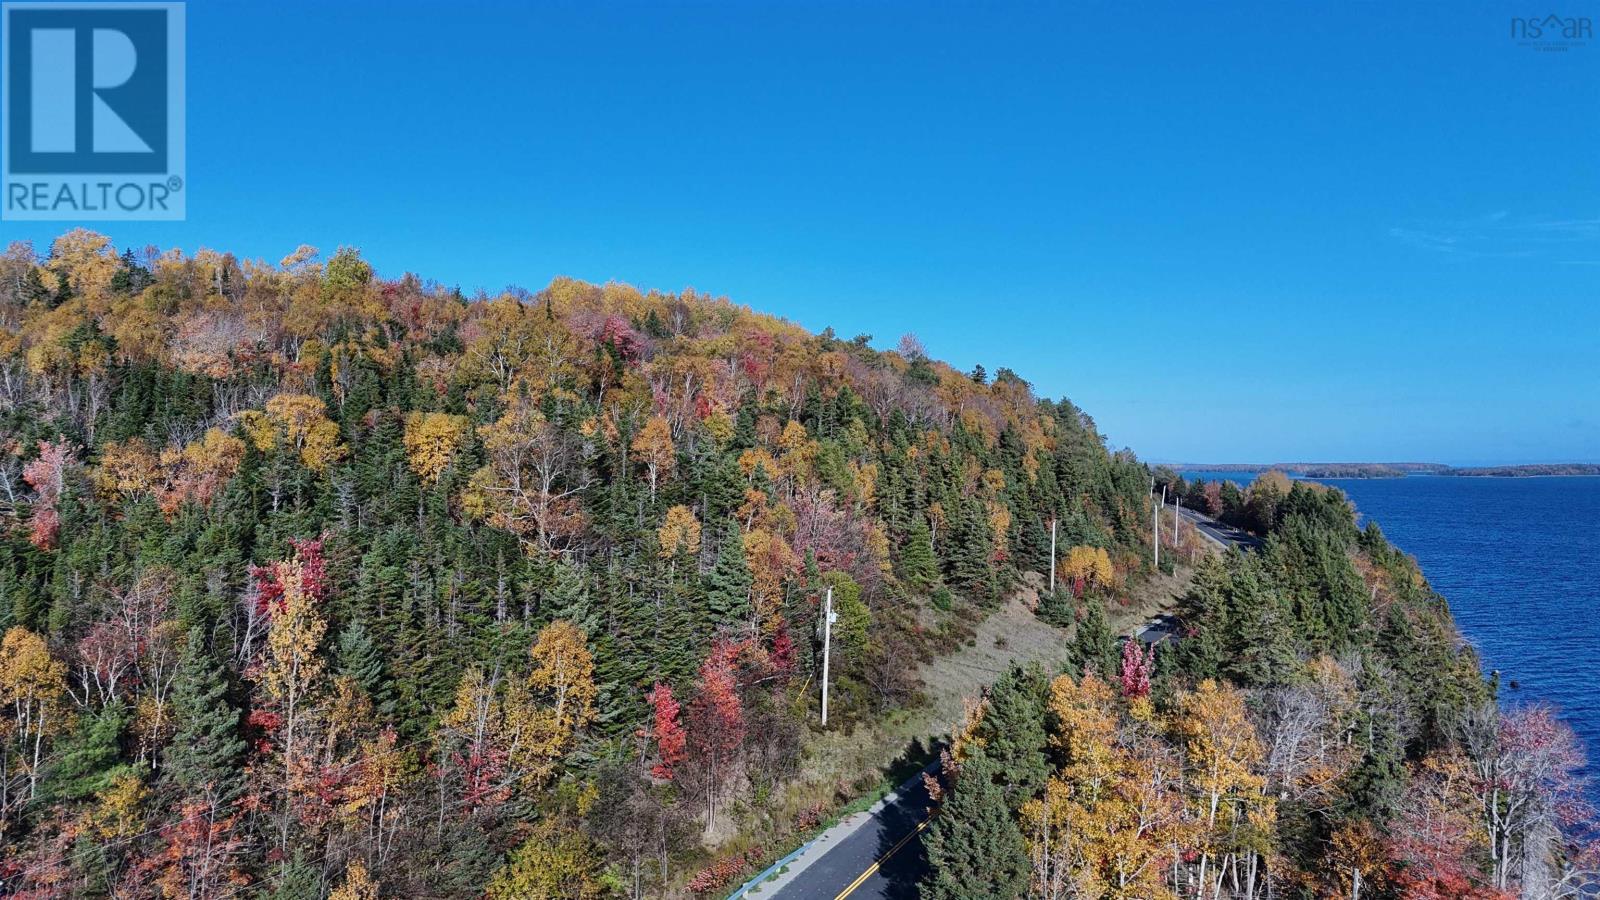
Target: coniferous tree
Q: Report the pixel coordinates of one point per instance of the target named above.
(358, 658)
(728, 583)
(88, 761)
(1013, 731)
(975, 850)
(1094, 645)
(206, 749)
(919, 568)
(1207, 610)
(1373, 788)
(970, 558)
(295, 879)
(1263, 651)
(568, 597)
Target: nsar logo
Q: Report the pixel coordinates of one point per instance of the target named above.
(91, 110)
(1552, 32)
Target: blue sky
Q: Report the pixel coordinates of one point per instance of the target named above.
(1282, 231)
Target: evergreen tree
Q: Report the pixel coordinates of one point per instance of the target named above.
(567, 597)
(358, 658)
(728, 583)
(460, 863)
(206, 749)
(720, 486)
(1013, 731)
(295, 879)
(88, 763)
(1263, 651)
(969, 558)
(919, 568)
(1373, 788)
(1094, 645)
(33, 287)
(1206, 610)
(975, 850)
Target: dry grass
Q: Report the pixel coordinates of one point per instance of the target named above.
(849, 768)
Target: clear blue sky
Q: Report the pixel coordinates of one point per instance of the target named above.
(1285, 231)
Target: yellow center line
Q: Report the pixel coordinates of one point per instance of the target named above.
(882, 859)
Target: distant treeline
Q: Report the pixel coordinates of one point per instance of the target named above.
(1527, 471)
(1395, 470)
(1326, 470)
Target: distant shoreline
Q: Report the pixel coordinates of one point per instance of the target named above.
(1399, 470)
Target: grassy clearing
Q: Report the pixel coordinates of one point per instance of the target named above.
(848, 769)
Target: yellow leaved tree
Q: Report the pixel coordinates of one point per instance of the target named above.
(33, 692)
(432, 441)
(301, 421)
(679, 533)
(1223, 755)
(554, 864)
(1113, 813)
(653, 446)
(560, 694)
(531, 722)
(358, 885)
(1089, 566)
(292, 670)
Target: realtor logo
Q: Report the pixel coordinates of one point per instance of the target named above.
(91, 110)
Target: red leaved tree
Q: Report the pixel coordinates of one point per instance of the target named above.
(671, 742)
(1136, 665)
(716, 725)
(47, 476)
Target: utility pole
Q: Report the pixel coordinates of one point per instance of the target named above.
(1176, 502)
(1052, 554)
(828, 617)
(1157, 520)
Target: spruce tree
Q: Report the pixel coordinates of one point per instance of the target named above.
(975, 850)
(88, 763)
(1013, 730)
(1373, 789)
(919, 568)
(1264, 653)
(567, 597)
(357, 657)
(1205, 609)
(1094, 646)
(719, 484)
(728, 583)
(206, 749)
(970, 556)
(295, 879)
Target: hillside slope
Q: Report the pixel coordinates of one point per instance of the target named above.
(313, 576)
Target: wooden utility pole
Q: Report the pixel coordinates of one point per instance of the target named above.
(1052, 555)
(827, 641)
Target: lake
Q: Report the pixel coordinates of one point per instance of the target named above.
(1519, 561)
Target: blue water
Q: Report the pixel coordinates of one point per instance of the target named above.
(1519, 561)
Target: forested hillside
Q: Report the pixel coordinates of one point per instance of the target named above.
(1320, 730)
(315, 582)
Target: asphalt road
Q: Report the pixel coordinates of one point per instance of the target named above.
(1226, 535)
(884, 858)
